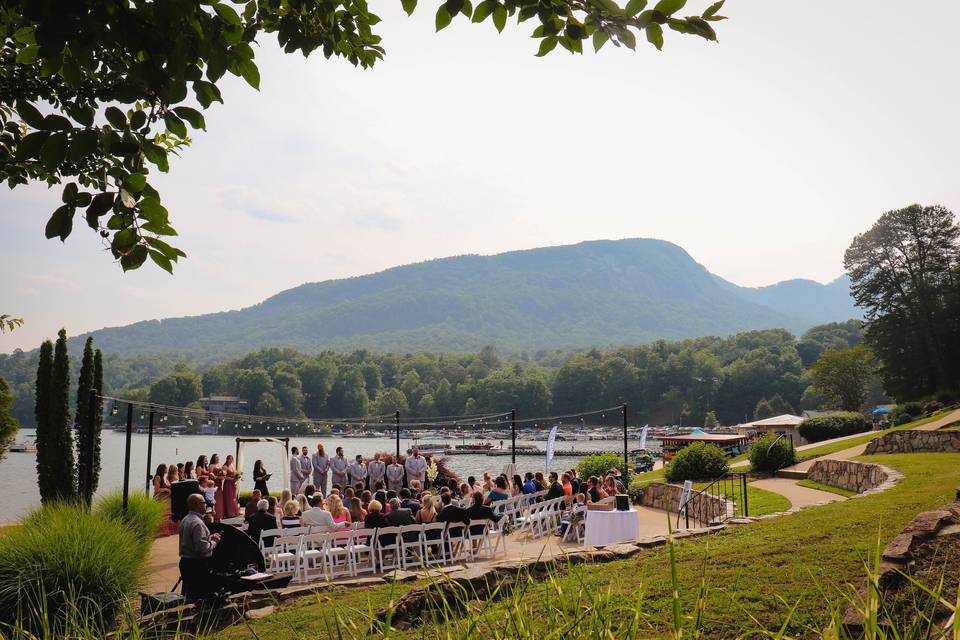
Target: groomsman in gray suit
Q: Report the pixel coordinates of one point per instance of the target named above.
(321, 466)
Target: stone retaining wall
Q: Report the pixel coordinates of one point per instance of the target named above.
(912, 441)
(655, 495)
(861, 477)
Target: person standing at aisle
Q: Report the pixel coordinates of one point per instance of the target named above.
(358, 472)
(416, 467)
(321, 466)
(196, 549)
(339, 467)
(375, 471)
(296, 471)
(395, 475)
(306, 467)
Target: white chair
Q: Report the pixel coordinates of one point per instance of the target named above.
(411, 549)
(388, 539)
(361, 545)
(338, 554)
(284, 552)
(488, 541)
(312, 555)
(432, 538)
(457, 538)
(576, 525)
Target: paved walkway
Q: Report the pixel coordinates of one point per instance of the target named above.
(798, 496)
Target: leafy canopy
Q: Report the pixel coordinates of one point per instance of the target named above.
(98, 94)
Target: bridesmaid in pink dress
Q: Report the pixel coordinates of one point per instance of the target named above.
(216, 474)
(231, 507)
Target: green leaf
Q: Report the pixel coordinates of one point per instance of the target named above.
(83, 143)
(171, 252)
(60, 223)
(712, 9)
(124, 240)
(229, 15)
(28, 55)
(191, 115)
(466, 8)
(599, 39)
(54, 151)
(409, 6)
(69, 193)
(174, 124)
(483, 10)
(31, 144)
(137, 120)
(161, 260)
(71, 72)
(250, 73)
(25, 35)
(668, 7)
(499, 17)
(135, 182)
(85, 116)
(655, 35)
(443, 17)
(116, 118)
(547, 45)
(635, 6)
(30, 114)
(56, 122)
(134, 259)
(628, 38)
(101, 203)
(152, 210)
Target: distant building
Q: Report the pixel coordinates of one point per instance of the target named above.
(786, 425)
(225, 404)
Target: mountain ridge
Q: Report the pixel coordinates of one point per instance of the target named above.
(593, 293)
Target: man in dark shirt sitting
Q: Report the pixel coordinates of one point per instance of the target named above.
(251, 507)
(398, 516)
(480, 512)
(555, 490)
(261, 521)
(407, 501)
(451, 512)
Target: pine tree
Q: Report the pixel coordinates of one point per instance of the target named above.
(82, 420)
(46, 450)
(61, 436)
(98, 385)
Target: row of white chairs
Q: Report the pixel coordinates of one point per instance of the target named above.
(541, 518)
(352, 552)
(516, 507)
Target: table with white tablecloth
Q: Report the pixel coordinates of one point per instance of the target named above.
(608, 527)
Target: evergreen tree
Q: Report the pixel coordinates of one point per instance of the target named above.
(710, 421)
(61, 438)
(8, 424)
(46, 449)
(98, 410)
(763, 410)
(779, 406)
(81, 420)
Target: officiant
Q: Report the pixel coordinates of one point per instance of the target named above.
(260, 477)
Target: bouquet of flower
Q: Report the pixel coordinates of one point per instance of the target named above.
(432, 471)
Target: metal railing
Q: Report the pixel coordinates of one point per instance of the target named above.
(724, 498)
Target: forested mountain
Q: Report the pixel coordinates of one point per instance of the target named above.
(600, 293)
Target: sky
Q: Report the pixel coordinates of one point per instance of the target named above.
(762, 155)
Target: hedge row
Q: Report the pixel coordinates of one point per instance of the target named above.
(834, 425)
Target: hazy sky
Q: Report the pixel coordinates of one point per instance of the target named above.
(762, 155)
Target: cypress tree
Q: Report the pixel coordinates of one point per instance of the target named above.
(98, 385)
(46, 451)
(81, 422)
(61, 440)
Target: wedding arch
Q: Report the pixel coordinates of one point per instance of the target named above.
(283, 442)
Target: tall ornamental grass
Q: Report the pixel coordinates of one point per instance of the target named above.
(142, 518)
(67, 565)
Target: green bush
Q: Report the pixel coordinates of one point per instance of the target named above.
(67, 565)
(600, 463)
(143, 517)
(697, 461)
(771, 453)
(834, 425)
(906, 412)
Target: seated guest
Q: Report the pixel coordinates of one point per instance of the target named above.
(272, 500)
(407, 501)
(528, 486)
(347, 495)
(290, 517)
(516, 486)
(365, 497)
(480, 512)
(375, 518)
(427, 513)
(357, 512)
(465, 490)
(261, 520)
(379, 485)
(313, 498)
(380, 496)
(317, 517)
(303, 503)
(341, 515)
(452, 485)
(555, 490)
(251, 507)
(567, 486)
(539, 482)
(499, 491)
(451, 512)
(399, 517)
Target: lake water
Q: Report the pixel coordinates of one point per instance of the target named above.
(18, 473)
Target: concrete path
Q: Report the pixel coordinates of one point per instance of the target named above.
(797, 495)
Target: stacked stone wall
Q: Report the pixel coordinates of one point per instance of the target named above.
(913, 441)
(860, 477)
(658, 495)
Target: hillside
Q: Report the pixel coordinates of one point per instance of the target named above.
(596, 293)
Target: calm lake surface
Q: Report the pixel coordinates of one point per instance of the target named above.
(18, 472)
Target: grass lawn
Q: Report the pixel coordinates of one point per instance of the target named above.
(833, 447)
(810, 484)
(760, 501)
(759, 570)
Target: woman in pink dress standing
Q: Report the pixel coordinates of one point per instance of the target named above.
(216, 474)
(231, 508)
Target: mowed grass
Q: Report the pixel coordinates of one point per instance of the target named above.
(810, 484)
(760, 502)
(753, 574)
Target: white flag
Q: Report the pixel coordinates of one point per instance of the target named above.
(643, 436)
(551, 439)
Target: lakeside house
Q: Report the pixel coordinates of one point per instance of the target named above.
(785, 424)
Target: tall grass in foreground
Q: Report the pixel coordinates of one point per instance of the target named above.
(68, 567)
(142, 518)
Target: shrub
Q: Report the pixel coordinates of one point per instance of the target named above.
(697, 461)
(770, 453)
(66, 563)
(599, 464)
(906, 412)
(834, 425)
(143, 517)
